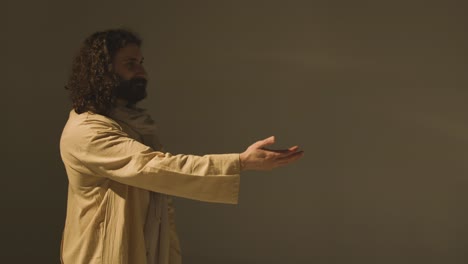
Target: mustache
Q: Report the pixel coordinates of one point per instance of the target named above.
(137, 81)
(132, 90)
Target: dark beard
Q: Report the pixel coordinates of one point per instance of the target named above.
(133, 90)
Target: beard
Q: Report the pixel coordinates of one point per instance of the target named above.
(133, 90)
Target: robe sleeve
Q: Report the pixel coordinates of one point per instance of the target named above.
(103, 149)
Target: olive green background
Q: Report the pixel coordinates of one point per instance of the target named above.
(374, 91)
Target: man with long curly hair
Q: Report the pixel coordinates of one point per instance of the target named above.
(121, 180)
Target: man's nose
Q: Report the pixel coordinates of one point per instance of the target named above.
(140, 72)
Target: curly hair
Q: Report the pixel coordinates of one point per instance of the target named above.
(92, 80)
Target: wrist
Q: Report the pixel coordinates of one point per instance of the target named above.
(242, 161)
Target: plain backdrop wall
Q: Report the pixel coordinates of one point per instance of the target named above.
(373, 91)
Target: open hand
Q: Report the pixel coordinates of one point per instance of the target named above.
(257, 157)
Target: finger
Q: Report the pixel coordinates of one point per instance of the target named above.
(265, 142)
(289, 150)
(279, 151)
(290, 157)
(293, 148)
(278, 159)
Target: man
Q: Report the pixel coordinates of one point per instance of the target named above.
(119, 208)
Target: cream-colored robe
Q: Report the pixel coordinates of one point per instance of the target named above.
(110, 177)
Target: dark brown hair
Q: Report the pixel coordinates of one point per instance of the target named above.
(92, 80)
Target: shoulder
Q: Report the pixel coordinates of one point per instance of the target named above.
(81, 128)
(90, 121)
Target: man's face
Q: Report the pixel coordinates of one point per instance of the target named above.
(128, 64)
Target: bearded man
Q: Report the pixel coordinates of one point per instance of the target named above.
(121, 180)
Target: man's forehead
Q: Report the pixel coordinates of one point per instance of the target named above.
(129, 52)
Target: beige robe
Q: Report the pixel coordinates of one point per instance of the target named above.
(111, 175)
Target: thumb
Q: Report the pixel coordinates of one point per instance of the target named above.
(265, 142)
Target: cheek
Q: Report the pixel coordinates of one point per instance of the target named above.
(124, 73)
